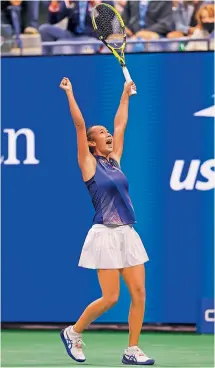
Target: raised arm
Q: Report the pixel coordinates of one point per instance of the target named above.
(120, 121)
(85, 158)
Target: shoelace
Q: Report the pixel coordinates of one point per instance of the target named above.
(78, 343)
(139, 351)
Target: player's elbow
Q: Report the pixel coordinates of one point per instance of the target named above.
(80, 125)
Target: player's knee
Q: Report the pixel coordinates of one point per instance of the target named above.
(139, 294)
(111, 300)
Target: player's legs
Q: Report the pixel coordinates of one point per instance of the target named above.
(110, 285)
(71, 336)
(134, 278)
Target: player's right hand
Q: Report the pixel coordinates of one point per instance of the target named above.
(129, 86)
(66, 84)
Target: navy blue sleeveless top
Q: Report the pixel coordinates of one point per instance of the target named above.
(109, 192)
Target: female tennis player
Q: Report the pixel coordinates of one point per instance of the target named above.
(112, 246)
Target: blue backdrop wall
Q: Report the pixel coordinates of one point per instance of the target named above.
(46, 208)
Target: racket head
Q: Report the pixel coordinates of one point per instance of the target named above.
(110, 28)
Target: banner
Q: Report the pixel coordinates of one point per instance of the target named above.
(168, 159)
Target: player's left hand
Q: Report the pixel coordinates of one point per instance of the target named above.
(66, 84)
(129, 86)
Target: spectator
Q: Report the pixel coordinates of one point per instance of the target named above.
(30, 13)
(79, 25)
(148, 20)
(119, 5)
(204, 29)
(11, 21)
(15, 12)
(6, 29)
(184, 17)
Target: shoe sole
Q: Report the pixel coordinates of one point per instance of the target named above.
(68, 350)
(131, 362)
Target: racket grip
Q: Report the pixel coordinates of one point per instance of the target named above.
(128, 78)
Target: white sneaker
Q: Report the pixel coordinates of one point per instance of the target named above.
(134, 356)
(73, 344)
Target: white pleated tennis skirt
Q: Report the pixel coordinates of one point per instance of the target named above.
(112, 247)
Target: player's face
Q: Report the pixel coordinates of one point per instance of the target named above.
(103, 140)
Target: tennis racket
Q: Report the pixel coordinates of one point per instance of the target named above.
(110, 29)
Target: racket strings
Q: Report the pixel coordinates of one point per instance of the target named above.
(108, 26)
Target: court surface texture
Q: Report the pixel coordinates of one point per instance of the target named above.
(105, 349)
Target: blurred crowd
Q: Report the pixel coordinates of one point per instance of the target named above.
(54, 21)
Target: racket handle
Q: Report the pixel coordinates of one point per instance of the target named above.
(128, 78)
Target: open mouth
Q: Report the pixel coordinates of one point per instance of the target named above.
(109, 141)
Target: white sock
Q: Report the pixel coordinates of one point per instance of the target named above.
(133, 346)
(73, 332)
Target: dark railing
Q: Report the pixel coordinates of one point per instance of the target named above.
(148, 45)
(97, 42)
